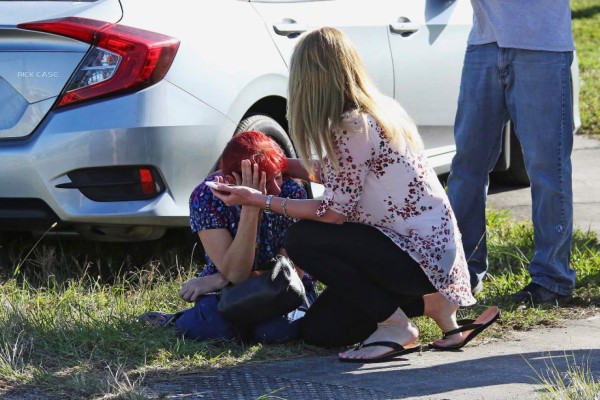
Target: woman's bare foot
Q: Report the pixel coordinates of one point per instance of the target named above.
(468, 330)
(443, 312)
(397, 329)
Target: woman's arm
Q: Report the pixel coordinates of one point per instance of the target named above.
(303, 209)
(355, 150)
(194, 288)
(234, 257)
(294, 208)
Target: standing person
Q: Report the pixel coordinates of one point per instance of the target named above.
(236, 240)
(517, 67)
(383, 238)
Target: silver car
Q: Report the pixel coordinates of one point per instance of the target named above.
(112, 111)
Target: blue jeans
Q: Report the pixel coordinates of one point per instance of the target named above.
(533, 89)
(203, 322)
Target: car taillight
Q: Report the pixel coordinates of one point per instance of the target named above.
(116, 183)
(147, 181)
(122, 59)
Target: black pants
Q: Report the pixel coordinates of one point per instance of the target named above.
(367, 278)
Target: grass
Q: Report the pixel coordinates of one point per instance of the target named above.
(586, 19)
(68, 317)
(575, 383)
(68, 309)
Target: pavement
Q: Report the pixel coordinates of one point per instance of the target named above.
(586, 189)
(508, 368)
(512, 367)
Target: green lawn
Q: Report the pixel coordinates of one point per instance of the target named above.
(68, 317)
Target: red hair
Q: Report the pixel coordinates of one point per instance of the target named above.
(254, 146)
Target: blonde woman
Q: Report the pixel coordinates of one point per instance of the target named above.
(383, 238)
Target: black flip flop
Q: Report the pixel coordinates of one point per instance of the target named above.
(396, 350)
(468, 325)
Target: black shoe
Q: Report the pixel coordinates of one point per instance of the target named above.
(157, 318)
(539, 295)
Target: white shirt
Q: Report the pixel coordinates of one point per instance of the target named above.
(401, 196)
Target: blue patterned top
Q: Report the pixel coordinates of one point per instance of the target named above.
(208, 212)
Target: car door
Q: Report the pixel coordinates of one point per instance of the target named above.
(366, 25)
(428, 40)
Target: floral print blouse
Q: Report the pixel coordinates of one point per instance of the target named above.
(208, 212)
(401, 196)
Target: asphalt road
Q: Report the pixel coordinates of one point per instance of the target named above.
(497, 369)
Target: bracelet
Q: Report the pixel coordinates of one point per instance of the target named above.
(283, 204)
(268, 204)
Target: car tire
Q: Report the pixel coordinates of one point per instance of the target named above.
(268, 126)
(271, 128)
(516, 174)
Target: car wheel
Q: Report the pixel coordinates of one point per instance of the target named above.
(516, 174)
(269, 127)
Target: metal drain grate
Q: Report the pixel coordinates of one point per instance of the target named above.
(241, 385)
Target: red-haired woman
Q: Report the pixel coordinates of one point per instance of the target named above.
(236, 239)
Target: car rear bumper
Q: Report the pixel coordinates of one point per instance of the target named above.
(162, 127)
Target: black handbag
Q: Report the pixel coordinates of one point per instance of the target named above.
(271, 294)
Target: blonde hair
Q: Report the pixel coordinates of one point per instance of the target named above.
(328, 78)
